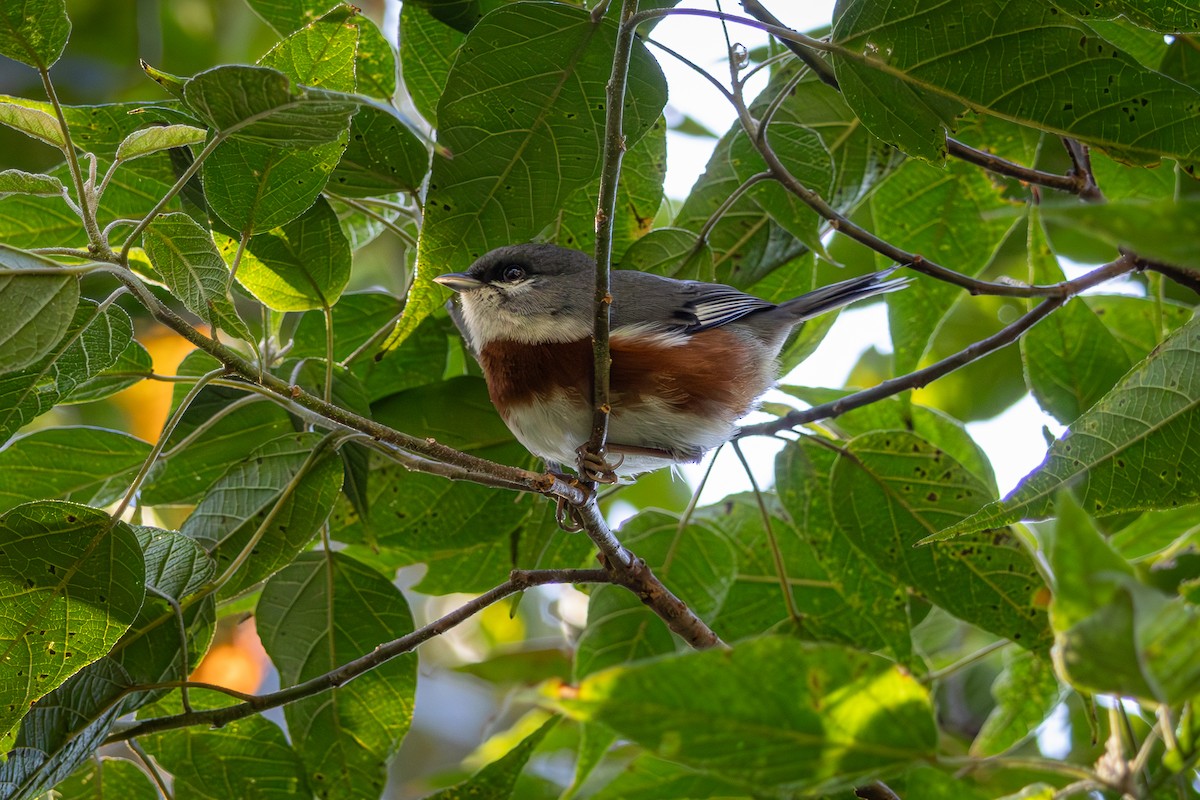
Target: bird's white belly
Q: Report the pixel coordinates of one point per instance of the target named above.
(554, 428)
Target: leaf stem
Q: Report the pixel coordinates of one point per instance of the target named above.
(192, 169)
(86, 210)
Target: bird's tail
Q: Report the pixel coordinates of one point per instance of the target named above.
(843, 293)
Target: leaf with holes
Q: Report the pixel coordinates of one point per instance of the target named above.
(1135, 450)
(71, 582)
(319, 612)
(905, 489)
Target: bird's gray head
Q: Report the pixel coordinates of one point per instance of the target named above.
(533, 293)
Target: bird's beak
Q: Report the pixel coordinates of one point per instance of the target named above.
(458, 281)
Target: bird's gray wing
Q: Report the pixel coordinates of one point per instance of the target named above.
(640, 298)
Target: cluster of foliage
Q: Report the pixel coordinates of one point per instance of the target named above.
(868, 598)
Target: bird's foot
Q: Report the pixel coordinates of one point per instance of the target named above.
(596, 467)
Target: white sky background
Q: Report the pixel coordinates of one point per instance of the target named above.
(1013, 440)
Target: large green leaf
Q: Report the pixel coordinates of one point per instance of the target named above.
(94, 341)
(1171, 16)
(254, 187)
(693, 560)
(92, 466)
(301, 265)
(34, 32)
(905, 489)
(261, 105)
(71, 582)
(247, 758)
(286, 480)
(185, 256)
(38, 311)
(522, 117)
(906, 66)
(771, 712)
(1132, 451)
(322, 53)
(319, 612)
(427, 50)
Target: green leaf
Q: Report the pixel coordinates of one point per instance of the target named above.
(841, 596)
(287, 485)
(346, 391)
(1158, 229)
(64, 729)
(152, 140)
(14, 181)
(1023, 61)
(247, 758)
(955, 216)
(1139, 324)
(39, 308)
(1113, 633)
(184, 254)
(1126, 453)
(673, 252)
(694, 561)
(894, 414)
(134, 364)
(301, 265)
(497, 780)
(1026, 692)
(286, 16)
(840, 715)
(905, 489)
(94, 341)
(258, 104)
(383, 156)
(316, 614)
(92, 466)
(71, 584)
(152, 651)
(322, 53)
(639, 196)
(427, 51)
(1071, 359)
(34, 32)
(802, 151)
(109, 777)
(500, 186)
(254, 187)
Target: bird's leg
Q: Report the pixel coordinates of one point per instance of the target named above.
(596, 467)
(563, 510)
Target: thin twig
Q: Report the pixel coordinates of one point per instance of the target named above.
(518, 581)
(785, 584)
(606, 210)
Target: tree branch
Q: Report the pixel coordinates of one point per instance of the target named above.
(518, 581)
(1078, 181)
(922, 377)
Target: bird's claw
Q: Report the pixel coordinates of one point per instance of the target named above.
(596, 467)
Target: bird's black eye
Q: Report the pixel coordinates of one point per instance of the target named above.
(513, 274)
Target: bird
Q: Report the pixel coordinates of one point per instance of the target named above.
(689, 358)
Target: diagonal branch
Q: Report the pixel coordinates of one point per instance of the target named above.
(922, 377)
(518, 581)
